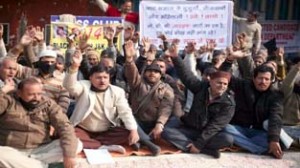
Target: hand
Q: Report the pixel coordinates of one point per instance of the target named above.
(26, 39)
(109, 33)
(70, 162)
(146, 43)
(128, 33)
(275, 149)
(9, 85)
(280, 52)
(76, 59)
(136, 36)
(156, 131)
(162, 37)
(176, 42)
(190, 48)
(83, 41)
(173, 49)
(39, 34)
(202, 49)
(211, 45)
(1, 31)
(133, 137)
(129, 51)
(241, 41)
(119, 29)
(193, 148)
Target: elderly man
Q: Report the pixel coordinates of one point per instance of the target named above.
(25, 132)
(211, 110)
(8, 71)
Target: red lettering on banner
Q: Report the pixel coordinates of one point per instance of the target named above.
(211, 16)
(98, 33)
(267, 27)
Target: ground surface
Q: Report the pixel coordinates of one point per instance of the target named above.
(228, 159)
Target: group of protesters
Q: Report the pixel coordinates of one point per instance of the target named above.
(200, 100)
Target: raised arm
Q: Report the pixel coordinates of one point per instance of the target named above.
(102, 5)
(185, 74)
(3, 51)
(131, 72)
(288, 83)
(70, 82)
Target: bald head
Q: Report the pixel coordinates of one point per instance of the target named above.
(8, 69)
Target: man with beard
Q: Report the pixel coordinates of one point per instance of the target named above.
(256, 102)
(46, 65)
(151, 99)
(25, 121)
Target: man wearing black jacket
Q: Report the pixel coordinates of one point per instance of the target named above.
(200, 130)
(256, 102)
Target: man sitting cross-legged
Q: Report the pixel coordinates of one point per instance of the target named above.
(200, 130)
(102, 115)
(25, 120)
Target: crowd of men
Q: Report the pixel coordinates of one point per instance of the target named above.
(54, 104)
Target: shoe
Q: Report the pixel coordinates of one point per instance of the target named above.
(155, 150)
(114, 148)
(211, 152)
(136, 146)
(296, 143)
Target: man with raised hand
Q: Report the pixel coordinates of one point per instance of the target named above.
(200, 130)
(102, 116)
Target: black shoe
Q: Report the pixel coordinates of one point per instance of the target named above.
(136, 146)
(211, 152)
(155, 150)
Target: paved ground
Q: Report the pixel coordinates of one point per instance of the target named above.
(228, 159)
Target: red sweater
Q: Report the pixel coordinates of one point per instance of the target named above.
(130, 17)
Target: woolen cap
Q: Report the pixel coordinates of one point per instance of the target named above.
(220, 74)
(153, 67)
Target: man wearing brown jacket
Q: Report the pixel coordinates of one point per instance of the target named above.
(151, 99)
(25, 120)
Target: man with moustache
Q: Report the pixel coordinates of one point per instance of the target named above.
(200, 130)
(25, 120)
(256, 102)
(102, 116)
(151, 99)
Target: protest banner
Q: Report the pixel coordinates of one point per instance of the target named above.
(92, 20)
(287, 34)
(197, 21)
(93, 27)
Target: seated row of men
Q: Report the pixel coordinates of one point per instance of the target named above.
(104, 118)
